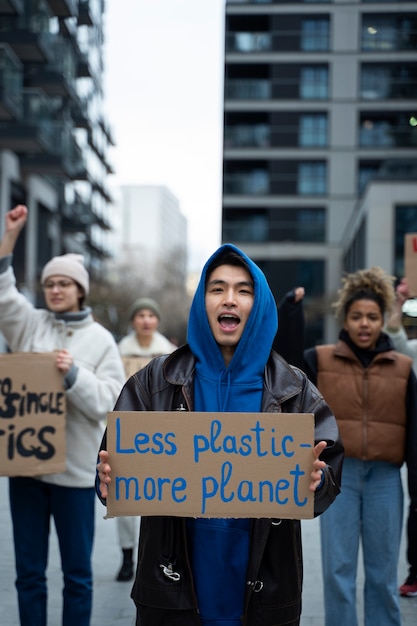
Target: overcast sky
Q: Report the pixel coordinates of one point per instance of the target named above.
(164, 100)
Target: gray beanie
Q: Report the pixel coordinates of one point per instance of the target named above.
(71, 265)
(145, 303)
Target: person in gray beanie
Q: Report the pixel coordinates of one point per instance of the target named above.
(89, 361)
(144, 342)
(70, 265)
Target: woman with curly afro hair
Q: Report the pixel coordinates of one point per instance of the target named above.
(372, 391)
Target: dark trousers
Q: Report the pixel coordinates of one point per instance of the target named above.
(32, 504)
(412, 538)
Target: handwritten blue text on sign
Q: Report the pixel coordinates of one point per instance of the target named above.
(210, 465)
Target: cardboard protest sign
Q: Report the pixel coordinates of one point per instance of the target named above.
(134, 363)
(210, 464)
(32, 415)
(410, 262)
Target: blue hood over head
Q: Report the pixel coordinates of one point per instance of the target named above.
(238, 386)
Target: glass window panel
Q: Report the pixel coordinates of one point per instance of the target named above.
(310, 225)
(250, 225)
(248, 89)
(311, 178)
(313, 130)
(394, 32)
(249, 42)
(378, 33)
(242, 135)
(375, 83)
(366, 173)
(253, 182)
(314, 83)
(315, 34)
(376, 133)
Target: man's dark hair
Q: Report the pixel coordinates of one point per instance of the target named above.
(227, 257)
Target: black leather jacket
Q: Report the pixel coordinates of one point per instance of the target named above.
(163, 590)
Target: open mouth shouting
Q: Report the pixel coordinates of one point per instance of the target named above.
(228, 322)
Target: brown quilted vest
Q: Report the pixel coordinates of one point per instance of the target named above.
(369, 403)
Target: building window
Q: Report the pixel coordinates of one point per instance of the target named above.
(246, 226)
(378, 33)
(393, 81)
(313, 130)
(376, 133)
(395, 129)
(297, 224)
(354, 258)
(311, 178)
(315, 34)
(367, 171)
(249, 42)
(274, 225)
(247, 135)
(251, 182)
(241, 89)
(375, 82)
(248, 81)
(311, 225)
(389, 32)
(314, 83)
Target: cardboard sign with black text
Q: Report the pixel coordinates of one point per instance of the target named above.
(410, 262)
(210, 464)
(32, 415)
(132, 364)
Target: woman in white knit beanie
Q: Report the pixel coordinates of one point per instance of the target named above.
(92, 370)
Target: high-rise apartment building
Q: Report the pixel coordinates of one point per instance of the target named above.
(320, 137)
(54, 137)
(150, 228)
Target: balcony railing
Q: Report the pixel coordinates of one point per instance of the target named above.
(247, 89)
(256, 182)
(11, 81)
(248, 42)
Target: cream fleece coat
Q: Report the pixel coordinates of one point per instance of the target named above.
(129, 346)
(99, 374)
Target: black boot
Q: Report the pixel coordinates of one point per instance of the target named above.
(126, 571)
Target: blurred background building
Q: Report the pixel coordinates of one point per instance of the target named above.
(149, 227)
(320, 137)
(54, 138)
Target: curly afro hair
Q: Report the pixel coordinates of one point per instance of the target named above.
(370, 284)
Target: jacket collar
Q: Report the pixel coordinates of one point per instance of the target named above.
(343, 350)
(281, 380)
(73, 316)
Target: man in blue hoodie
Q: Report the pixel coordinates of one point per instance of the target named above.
(227, 572)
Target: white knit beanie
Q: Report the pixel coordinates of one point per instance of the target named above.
(71, 265)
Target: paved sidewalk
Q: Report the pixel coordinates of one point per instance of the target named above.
(112, 603)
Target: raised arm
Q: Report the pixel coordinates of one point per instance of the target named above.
(402, 292)
(14, 222)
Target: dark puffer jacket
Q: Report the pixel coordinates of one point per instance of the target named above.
(163, 590)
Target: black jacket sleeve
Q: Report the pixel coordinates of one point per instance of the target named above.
(310, 364)
(289, 340)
